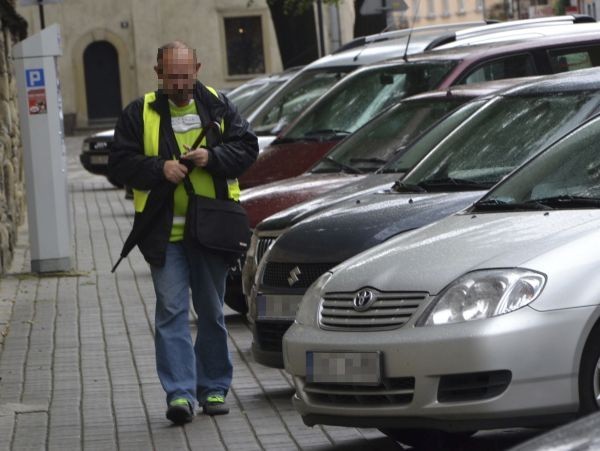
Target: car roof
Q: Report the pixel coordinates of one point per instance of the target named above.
(580, 80)
(475, 89)
(474, 52)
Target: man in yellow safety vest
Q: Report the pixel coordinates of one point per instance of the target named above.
(149, 135)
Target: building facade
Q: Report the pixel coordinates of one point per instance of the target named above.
(109, 47)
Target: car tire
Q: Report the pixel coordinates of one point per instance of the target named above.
(589, 374)
(114, 183)
(428, 439)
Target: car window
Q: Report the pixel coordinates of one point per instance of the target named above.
(292, 98)
(247, 97)
(373, 144)
(404, 161)
(509, 67)
(501, 136)
(567, 175)
(358, 99)
(564, 60)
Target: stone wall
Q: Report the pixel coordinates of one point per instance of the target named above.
(13, 28)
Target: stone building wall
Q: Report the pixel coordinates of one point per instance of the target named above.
(13, 28)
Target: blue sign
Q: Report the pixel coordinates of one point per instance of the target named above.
(35, 78)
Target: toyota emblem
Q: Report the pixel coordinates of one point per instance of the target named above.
(363, 300)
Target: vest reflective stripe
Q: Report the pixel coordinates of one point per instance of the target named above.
(202, 180)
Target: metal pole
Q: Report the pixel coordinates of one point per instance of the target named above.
(42, 21)
(320, 24)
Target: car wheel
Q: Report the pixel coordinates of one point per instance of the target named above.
(114, 182)
(430, 439)
(589, 375)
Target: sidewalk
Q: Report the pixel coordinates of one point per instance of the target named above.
(77, 357)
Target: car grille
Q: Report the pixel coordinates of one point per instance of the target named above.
(269, 335)
(279, 274)
(389, 311)
(263, 246)
(393, 391)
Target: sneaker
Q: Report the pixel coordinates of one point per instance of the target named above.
(215, 405)
(180, 411)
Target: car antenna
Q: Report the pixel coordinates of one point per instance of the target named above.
(412, 26)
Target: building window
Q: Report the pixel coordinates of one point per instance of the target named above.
(445, 8)
(431, 9)
(244, 41)
(479, 6)
(461, 7)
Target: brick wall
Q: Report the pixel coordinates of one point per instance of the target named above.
(13, 28)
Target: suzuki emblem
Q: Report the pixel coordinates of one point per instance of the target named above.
(294, 273)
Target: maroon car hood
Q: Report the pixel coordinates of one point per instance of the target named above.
(284, 160)
(263, 201)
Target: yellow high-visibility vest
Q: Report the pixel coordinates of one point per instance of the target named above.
(201, 179)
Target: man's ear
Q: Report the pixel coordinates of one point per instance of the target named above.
(157, 70)
(198, 67)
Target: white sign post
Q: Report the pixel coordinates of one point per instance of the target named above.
(44, 151)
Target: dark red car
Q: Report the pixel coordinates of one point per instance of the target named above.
(363, 94)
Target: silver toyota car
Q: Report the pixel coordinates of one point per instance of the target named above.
(488, 318)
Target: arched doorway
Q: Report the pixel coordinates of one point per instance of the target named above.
(102, 81)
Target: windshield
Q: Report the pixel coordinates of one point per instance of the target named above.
(392, 131)
(500, 137)
(567, 175)
(247, 97)
(359, 98)
(288, 102)
(404, 161)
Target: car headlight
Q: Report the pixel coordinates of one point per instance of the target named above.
(307, 312)
(484, 294)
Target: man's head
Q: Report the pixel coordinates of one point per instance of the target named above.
(177, 67)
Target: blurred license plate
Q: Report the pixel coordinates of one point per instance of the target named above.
(99, 159)
(362, 368)
(277, 307)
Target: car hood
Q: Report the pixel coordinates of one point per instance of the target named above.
(265, 200)
(297, 213)
(430, 258)
(356, 225)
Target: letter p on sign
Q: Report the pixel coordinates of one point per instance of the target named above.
(35, 78)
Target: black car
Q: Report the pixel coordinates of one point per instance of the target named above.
(94, 154)
(502, 134)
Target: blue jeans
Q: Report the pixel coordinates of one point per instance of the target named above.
(186, 370)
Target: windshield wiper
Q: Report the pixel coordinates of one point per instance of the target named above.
(568, 201)
(334, 132)
(501, 205)
(401, 187)
(343, 166)
(368, 160)
(455, 184)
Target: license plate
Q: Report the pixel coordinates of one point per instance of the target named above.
(99, 159)
(360, 368)
(277, 306)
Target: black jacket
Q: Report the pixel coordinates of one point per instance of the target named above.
(130, 166)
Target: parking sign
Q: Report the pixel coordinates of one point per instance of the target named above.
(35, 78)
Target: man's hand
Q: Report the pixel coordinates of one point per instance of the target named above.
(174, 171)
(198, 156)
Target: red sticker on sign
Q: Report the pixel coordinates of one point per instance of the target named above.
(36, 99)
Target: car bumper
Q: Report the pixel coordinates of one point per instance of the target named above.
(540, 350)
(95, 162)
(271, 316)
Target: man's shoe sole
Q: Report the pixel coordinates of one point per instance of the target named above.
(179, 415)
(215, 409)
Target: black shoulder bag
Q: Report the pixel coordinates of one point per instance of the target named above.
(219, 224)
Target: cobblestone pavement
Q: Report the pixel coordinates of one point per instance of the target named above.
(77, 357)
